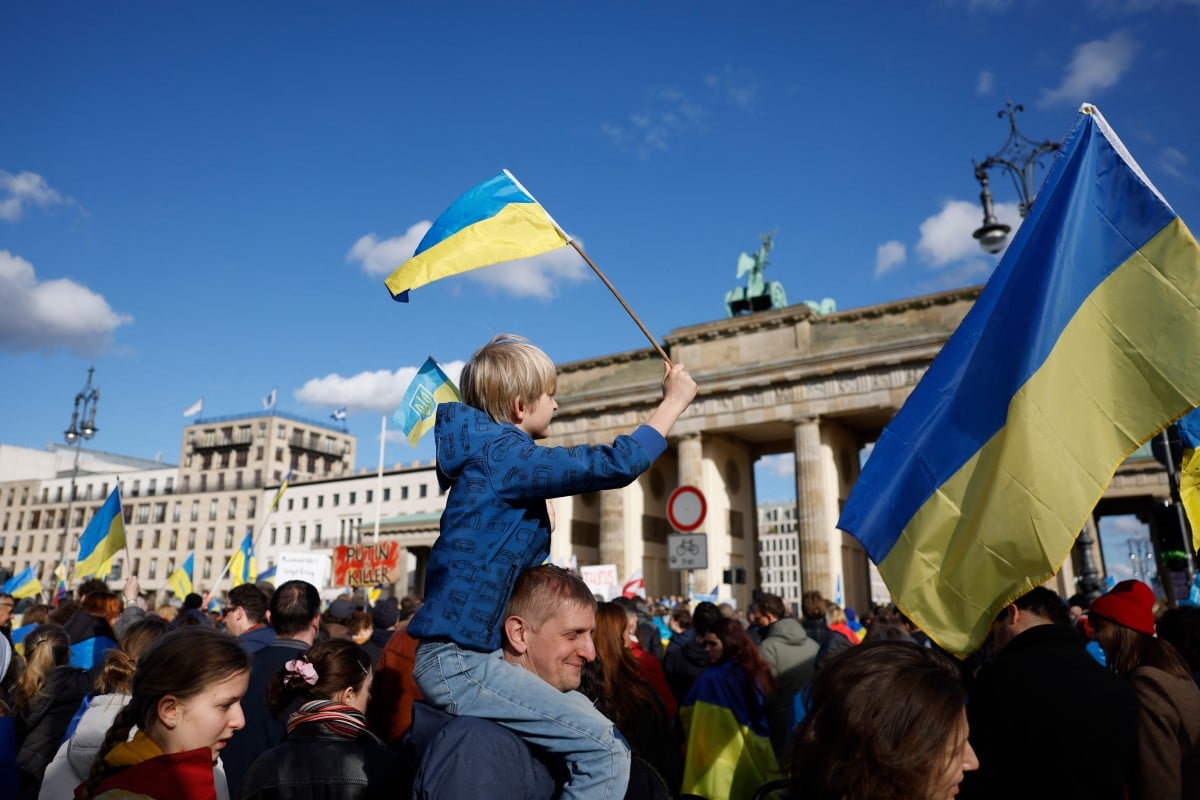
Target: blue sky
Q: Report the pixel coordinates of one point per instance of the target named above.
(202, 200)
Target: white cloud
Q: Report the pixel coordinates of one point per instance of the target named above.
(17, 192)
(379, 392)
(888, 256)
(781, 465)
(1173, 162)
(986, 83)
(1096, 65)
(946, 236)
(540, 276)
(381, 257)
(735, 88)
(51, 315)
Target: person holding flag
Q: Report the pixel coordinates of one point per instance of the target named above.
(496, 523)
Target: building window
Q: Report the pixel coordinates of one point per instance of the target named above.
(191, 539)
(303, 502)
(370, 495)
(403, 492)
(251, 507)
(287, 535)
(316, 534)
(174, 540)
(273, 538)
(211, 538)
(232, 508)
(229, 537)
(387, 493)
(424, 491)
(207, 567)
(336, 498)
(353, 495)
(290, 505)
(152, 573)
(212, 509)
(195, 510)
(320, 501)
(303, 532)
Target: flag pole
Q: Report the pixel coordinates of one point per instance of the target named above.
(571, 241)
(379, 476)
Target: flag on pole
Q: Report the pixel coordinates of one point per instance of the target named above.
(195, 408)
(635, 586)
(1074, 355)
(279, 495)
(339, 414)
(241, 567)
(495, 221)
(180, 581)
(60, 586)
(1189, 472)
(269, 400)
(430, 387)
(24, 584)
(103, 537)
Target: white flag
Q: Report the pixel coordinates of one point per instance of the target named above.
(269, 400)
(194, 408)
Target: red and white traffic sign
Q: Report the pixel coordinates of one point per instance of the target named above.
(686, 508)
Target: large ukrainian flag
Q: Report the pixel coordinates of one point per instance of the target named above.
(103, 537)
(1081, 347)
(496, 221)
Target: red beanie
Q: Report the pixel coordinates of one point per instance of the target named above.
(1130, 603)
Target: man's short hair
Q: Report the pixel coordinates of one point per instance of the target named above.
(251, 600)
(540, 591)
(92, 585)
(504, 369)
(813, 605)
(1045, 603)
(681, 615)
(771, 604)
(705, 616)
(294, 606)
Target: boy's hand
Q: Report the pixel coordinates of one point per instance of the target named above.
(678, 386)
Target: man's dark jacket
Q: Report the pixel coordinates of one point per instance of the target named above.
(1047, 721)
(263, 729)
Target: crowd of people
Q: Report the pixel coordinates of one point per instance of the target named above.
(275, 697)
(511, 680)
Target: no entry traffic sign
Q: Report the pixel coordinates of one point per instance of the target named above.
(686, 508)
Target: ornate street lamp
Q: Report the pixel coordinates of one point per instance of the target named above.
(1020, 157)
(82, 427)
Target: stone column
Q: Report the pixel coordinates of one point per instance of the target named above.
(691, 461)
(612, 528)
(812, 523)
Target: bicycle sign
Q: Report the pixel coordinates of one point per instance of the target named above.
(687, 551)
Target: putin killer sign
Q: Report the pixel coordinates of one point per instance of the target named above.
(366, 564)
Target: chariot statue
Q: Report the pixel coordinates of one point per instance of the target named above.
(758, 294)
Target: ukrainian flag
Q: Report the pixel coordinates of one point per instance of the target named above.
(431, 386)
(283, 487)
(1081, 347)
(1189, 472)
(180, 581)
(242, 568)
(496, 221)
(24, 584)
(104, 536)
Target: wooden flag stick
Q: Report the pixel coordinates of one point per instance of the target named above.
(621, 300)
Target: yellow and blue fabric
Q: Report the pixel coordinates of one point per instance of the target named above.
(103, 537)
(242, 567)
(19, 634)
(283, 487)
(24, 584)
(180, 581)
(430, 386)
(495, 221)
(1189, 472)
(1075, 353)
(729, 753)
(268, 574)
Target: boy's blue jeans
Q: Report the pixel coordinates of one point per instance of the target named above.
(483, 685)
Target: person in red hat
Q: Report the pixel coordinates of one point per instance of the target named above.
(1168, 757)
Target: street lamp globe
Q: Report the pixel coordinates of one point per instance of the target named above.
(992, 235)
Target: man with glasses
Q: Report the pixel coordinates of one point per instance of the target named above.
(246, 617)
(7, 604)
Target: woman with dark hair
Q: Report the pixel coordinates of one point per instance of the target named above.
(328, 752)
(73, 761)
(185, 704)
(884, 721)
(729, 753)
(1168, 735)
(44, 699)
(613, 681)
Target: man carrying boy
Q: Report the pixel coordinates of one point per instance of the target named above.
(495, 525)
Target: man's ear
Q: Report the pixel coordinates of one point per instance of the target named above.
(168, 711)
(515, 630)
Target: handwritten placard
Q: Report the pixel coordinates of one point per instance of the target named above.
(366, 564)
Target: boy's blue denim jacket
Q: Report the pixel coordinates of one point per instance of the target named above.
(495, 523)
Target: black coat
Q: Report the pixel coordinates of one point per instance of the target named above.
(315, 763)
(40, 732)
(1047, 721)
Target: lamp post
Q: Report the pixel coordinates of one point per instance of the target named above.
(1020, 158)
(83, 426)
